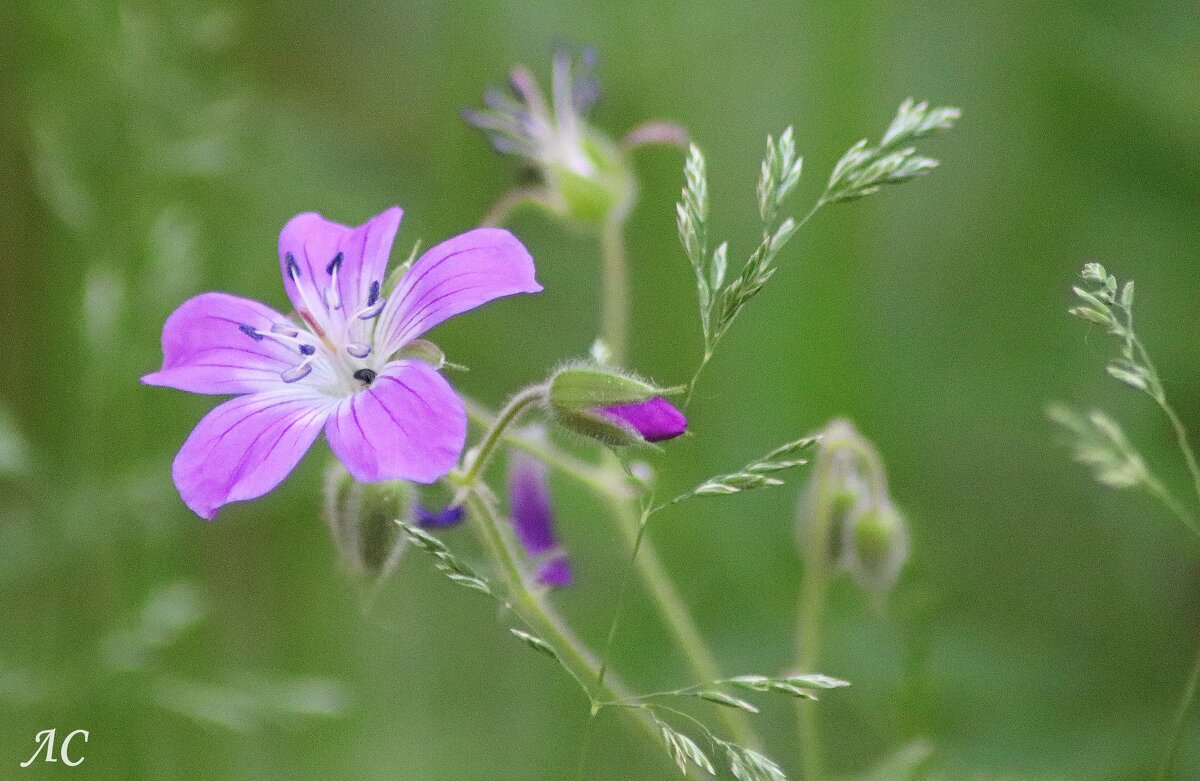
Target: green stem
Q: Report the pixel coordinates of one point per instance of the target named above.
(510, 202)
(1186, 700)
(674, 612)
(610, 487)
(710, 345)
(506, 417)
(614, 315)
(1160, 492)
(590, 475)
(1175, 740)
(814, 590)
(1181, 438)
(529, 605)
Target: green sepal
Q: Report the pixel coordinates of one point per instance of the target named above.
(587, 386)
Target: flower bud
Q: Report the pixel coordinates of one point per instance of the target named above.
(614, 407)
(587, 386)
(362, 520)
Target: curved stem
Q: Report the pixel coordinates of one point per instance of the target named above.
(507, 416)
(608, 484)
(1175, 737)
(509, 203)
(1175, 740)
(614, 314)
(590, 475)
(1181, 438)
(569, 650)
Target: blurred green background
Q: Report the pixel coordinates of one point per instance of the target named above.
(150, 151)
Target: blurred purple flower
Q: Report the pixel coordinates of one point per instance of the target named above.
(438, 519)
(533, 518)
(340, 364)
(582, 173)
(655, 419)
(526, 124)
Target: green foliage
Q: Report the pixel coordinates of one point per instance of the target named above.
(1098, 441)
(1100, 304)
(864, 169)
(861, 171)
(454, 568)
(745, 764)
(683, 749)
(757, 474)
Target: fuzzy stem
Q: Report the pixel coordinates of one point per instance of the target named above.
(614, 315)
(510, 202)
(506, 417)
(590, 475)
(529, 605)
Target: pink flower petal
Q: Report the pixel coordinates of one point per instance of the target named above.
(455, 276)
(247, 446)
(408, 425)
(206, 351)
(314, 242)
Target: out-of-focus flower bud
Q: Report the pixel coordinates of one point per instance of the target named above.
(875, 548)
(362, 520)
(612, 406)
(532, 513)
(437, 519)
(847, 505)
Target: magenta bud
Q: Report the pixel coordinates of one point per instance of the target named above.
(655, 419)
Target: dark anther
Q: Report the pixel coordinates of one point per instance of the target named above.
(373, 294)
(293, 268)
(334, 264)
(365, 376)
(248, 330)
(307, 349)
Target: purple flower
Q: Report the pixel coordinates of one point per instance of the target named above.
(655, 419)
(533, 518)
(340, 364)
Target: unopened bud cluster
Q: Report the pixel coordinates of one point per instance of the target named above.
(864, 533)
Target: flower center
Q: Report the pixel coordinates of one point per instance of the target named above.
(333, 335)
